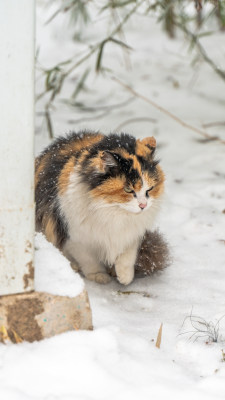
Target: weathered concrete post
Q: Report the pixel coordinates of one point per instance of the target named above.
(23, 312)
(16, 145)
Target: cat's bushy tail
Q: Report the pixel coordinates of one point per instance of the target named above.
(153, 255)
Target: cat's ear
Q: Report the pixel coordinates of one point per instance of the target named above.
(109, 160)
(104, 161)
(150, 142)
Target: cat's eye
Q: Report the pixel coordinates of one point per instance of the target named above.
(149, 190)
(127, 189)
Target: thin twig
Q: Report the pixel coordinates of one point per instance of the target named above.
(201, 50)
(211, 124)
(132, 120)
(106, 109)
(53, 16)
(109, 107)
(86, 119)
(49, 123)
(214, 138)
(165, 111)
(122, 38)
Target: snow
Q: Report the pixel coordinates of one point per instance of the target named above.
(53, 273)
(118, 359)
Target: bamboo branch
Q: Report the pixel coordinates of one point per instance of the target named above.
(100, 44)
(121, 33)
(168, 113)
(201, 50)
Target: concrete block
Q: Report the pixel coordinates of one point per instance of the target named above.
(38, 315)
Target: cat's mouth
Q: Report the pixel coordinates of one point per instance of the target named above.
(133, 209)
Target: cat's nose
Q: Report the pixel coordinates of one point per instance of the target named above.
(142, 205)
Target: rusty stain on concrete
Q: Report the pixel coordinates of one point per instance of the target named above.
(21, 318)
(28, 247)
(29, 276)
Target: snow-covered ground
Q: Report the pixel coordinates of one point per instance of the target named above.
(53, 273)
(119, 359)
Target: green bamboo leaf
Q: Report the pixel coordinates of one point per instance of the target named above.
(80, 84)
(119, 42)
(200, 35)
(99, 57)
(49, 124)
(101, 48)
(117, 4)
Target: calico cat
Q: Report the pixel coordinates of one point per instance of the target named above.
(96, 196)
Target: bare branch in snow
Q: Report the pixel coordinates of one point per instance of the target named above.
(168, 113)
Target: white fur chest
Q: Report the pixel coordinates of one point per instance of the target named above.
(105, 229)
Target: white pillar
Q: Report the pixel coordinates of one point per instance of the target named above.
(16, 145)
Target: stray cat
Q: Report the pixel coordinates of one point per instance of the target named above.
(96, 196)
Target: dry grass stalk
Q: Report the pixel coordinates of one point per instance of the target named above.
(159, 337)
(223, 356)
(4, 337)
(17, 338)
(203, 329)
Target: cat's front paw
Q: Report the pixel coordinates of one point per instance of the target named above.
(74, 266)
(125, 274)
(99, 277)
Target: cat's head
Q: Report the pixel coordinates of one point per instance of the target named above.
(121, 171)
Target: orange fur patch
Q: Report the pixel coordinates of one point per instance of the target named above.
(123, 153)
(159, 188)
(138, 185)
(79, 144)
(50, 231)
(98, 163)
(151, 181)
(136, 164)
(40, 164)
(81, 157)
(142, 149)
(65, 175)
(158, 184)
(112, 190)
(149, 141)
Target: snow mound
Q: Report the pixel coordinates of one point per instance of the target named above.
(53, 273)
(108, 364)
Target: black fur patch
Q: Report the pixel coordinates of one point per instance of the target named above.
(46, 195)
(114, 141)
(111, 143)
(148, 165)
(124, 167)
